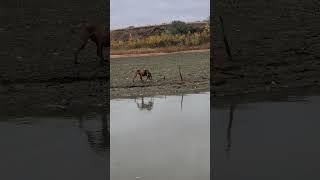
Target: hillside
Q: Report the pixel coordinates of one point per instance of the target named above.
(145, 31)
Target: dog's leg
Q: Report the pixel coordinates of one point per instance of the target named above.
(85, 36)
(134, 76)
(76, 53)
(102, 58)
(100, 52)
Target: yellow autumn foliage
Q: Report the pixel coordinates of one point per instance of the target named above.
(165, 40)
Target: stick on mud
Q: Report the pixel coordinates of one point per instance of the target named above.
(225, 39)
(180, 74)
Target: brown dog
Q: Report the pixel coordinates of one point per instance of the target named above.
(96, 33)
(142, 73)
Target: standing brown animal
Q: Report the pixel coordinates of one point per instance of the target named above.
(142, 73)
(96, 33)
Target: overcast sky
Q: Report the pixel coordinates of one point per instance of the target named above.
(126, 13)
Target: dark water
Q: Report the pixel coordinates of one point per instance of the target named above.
(54, 147)
(161, 138)
(272, 138)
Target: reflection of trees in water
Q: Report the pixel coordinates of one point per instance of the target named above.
(97, 130)
(145, 105)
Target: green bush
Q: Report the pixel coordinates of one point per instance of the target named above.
(178, 27)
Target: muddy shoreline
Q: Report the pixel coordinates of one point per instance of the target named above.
(274, 44)
(156, 53)
(29, 99)
(194, 66)
(37, 70)
(124, 93)
(276, 95)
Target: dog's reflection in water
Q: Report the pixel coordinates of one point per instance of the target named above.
(97, 129)
(142, 105)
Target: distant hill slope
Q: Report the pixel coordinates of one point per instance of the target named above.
(145, 31)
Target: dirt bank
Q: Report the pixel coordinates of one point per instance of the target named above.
(166, 79)
(275, 45)
(33, 99)
(157, 53)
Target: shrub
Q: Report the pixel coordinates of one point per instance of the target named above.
(166, 40)
(178, 27)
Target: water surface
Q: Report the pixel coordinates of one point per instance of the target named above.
(161, 138)
(57, 146)
(276, 137)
